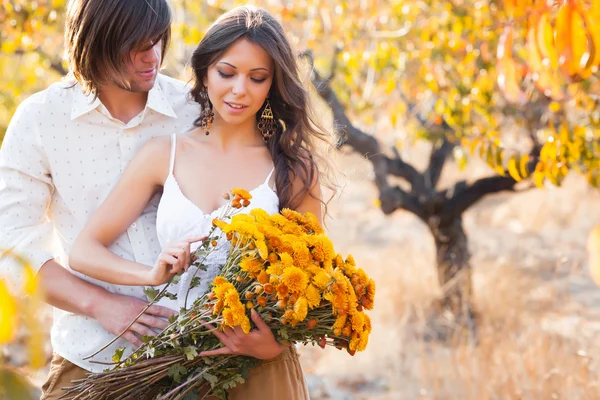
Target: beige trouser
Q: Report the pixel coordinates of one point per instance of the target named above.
(280, 378)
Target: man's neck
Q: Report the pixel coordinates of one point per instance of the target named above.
(122, 104)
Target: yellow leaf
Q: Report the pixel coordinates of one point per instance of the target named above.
(8, 314)
(523, 171)
(473, 146)
(512, 168)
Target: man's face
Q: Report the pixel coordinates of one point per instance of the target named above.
(143, 67)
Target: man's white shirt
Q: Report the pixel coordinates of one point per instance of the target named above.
(62, 154)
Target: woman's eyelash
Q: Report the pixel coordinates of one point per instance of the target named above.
(224, 75)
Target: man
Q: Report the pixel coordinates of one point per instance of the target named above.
(64, 150)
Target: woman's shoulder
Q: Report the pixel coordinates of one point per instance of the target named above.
(153, 157)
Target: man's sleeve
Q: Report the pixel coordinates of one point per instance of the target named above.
(25, 194)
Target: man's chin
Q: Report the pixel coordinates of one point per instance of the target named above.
(143, 86)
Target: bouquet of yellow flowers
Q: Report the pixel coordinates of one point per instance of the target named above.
(284, 267)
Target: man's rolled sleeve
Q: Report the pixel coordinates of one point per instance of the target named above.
(25, 194)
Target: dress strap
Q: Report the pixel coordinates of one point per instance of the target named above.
(173, 149)
(269, 177)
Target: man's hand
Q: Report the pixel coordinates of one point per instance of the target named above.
(259, 343)
(116, 312)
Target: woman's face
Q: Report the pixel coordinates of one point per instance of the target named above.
(238, 83)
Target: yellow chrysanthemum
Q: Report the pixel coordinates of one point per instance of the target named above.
(368, 301)
(295, 279)
(251, 265)
(294, 216)
(301, 309)
(339, 261)
(350, 260)
(362, 276)
(263, 278)
(313, 296)
(220, 224)
(322, 279)
(301, 255)
(312, 269)
(286, 226)
(340, 321)
(286, 260)
(313, 223)
(364, 340)
(232, 298)
(263, 250)
(228, 317)
(282, 291)
(261, 216)
(357, 322)
(219, 280)
(367, 327)
(339, 303)
(353, 345)
(243, 193)
(275, 269)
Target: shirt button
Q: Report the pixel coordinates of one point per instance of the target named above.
(134, 225)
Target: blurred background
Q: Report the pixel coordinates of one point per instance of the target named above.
(468, 162)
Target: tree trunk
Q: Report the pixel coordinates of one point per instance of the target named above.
(454, 275)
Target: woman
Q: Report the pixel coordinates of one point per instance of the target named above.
(255, 131)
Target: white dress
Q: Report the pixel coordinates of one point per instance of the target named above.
(179, 218)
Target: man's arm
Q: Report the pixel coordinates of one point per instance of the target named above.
(26, 190)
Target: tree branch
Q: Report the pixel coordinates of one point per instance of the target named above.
(398, 167)
(394, 198)
(437, 160)
(466, 195)
(55, 65)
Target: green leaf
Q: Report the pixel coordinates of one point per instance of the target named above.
(118, 354)
(151, 293)
(213, 380)
(190, 352)
(170, 295)
(173, 318)
(176, 372)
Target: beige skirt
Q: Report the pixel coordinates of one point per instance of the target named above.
(279, 378)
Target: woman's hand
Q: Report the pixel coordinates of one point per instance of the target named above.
(259, 343)
(175, 258)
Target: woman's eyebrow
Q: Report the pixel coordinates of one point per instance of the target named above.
(234, 67)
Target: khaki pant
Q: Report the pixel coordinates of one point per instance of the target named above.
(280, 378)
(62, 372)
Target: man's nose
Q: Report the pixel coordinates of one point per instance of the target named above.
(152, 55)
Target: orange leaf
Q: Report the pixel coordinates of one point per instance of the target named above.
(544, 75)
(508, 71)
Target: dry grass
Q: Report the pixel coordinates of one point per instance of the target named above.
(538, 308)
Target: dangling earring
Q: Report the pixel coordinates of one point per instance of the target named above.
(207, 116)
(267, 125)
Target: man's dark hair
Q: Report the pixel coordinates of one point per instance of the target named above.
(100, 35)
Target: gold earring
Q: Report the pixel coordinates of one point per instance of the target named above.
(267, 125)
(207, 116)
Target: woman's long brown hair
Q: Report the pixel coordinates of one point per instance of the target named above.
(294, 147)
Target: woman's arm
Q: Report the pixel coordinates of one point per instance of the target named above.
(142, 179)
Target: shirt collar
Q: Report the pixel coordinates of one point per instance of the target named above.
(83, 103)
(157, 101)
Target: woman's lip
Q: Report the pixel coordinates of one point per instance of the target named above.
(236, 109)
(235, 104)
